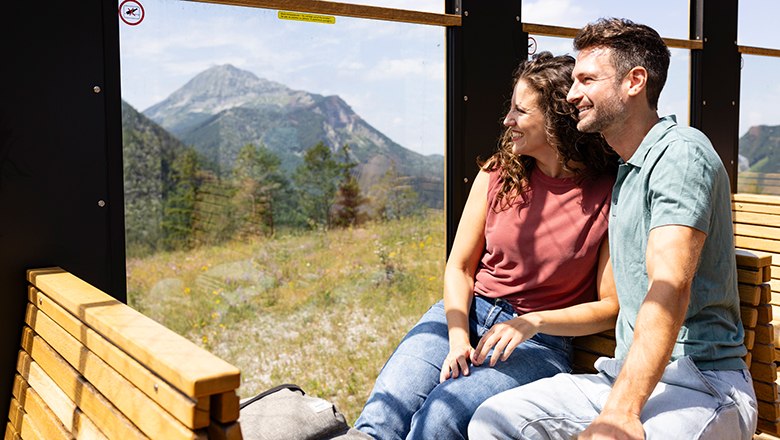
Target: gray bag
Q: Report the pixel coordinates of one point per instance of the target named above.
(285, 412)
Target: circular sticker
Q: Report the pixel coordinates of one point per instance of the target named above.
(131, 12)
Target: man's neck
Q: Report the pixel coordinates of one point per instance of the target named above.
(625, 137)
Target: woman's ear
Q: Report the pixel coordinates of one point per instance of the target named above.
(637, 80)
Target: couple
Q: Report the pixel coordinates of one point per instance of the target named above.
(532, 254)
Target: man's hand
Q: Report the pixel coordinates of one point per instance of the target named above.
(614, 426)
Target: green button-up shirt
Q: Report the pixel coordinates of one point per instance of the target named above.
(676, 178)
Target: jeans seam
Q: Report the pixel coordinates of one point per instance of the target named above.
(528, 423)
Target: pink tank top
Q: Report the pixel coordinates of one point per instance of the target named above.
(543, 254)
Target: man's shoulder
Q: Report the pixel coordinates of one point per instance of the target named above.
(682, 143)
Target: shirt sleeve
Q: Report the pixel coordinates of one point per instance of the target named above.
(680, 188)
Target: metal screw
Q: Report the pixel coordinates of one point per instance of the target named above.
(465, 180)
(466, 13)
(155, 388)
(465, 98)
(733, 102)
(96, 89)
(517, 18)
(704, 103)
(101, 203)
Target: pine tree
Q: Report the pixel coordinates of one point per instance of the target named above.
(350, 200)
(257, 179)
(393, 196)
(179, 206)
(316, 180)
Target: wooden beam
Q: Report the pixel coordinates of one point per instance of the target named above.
(347, 10)
(567, 32)
(752, 50)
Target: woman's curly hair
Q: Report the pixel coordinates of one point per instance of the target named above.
(584, 154)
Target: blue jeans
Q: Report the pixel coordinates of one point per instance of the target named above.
(408, 402)
(687, 403)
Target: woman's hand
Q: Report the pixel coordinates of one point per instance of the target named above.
(504, 337)
(456, 362)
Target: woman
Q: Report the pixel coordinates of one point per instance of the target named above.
(527, 261)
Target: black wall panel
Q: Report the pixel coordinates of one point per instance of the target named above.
(60, 147)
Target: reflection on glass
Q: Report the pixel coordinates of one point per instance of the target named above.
(674, 97)
(436, 6)
(757, 23)
(668, 17)
(759, 126)
(284, 187)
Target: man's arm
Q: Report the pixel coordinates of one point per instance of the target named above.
(672, 259)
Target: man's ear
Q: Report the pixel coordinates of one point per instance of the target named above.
(637, 80)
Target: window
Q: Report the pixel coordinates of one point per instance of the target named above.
(241, 232)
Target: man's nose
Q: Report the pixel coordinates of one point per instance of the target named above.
(574, 94)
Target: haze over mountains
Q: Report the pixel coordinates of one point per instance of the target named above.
(223, 108)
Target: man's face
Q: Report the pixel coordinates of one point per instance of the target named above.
(596, 91)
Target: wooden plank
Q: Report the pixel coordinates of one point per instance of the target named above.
(30, 430)
(749, 316)
(225, 407)
(769, 410)
(43, 418)
(759, 244)
(762, 199)
(748, 359)
(767, 274)
(348, 10)
(765, 334)
(763, 372)
(567, 32)
(187, 410)
(747, 258)
(748, 294)
(764, 313)
(161, 350)
(749, 276)
(767, 426)
(11, 433)
(742, 228)
(149, 417)
(764, 353)
(102, 412)
(596, 344)
(72, 418)
(750, 338)
(15, 414)
(766, 391)
(230, 431)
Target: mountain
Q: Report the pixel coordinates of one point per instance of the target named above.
(761, 147)
(223, 108)
(148, 153)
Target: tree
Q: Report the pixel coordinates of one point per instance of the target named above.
(393, 196)
(316, 180)
(257, 179)
(179, 205)
(350, 200)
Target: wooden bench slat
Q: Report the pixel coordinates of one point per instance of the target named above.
(750, 338)
(134, 404)
(749, 294)
(764, 353)
(43, 418)
(11, 433)
(225, 407)
(760, 244)
(766, 391)
(751, 224)
(766, 426)
(161, 350)
(749, 316)
(770, 410)
(765, 313)
(193, 414)
(15, 414)
(231, 431)
(750, 276)
(749, 259)
(763, 372)
(102, 412)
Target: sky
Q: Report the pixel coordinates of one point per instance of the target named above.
(393, 74)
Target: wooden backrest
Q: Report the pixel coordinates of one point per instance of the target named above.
(753, 272)
(91, 366)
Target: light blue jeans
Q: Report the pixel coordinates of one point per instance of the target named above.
(408, 402)
(687, 404)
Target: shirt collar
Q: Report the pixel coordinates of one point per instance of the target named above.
(651, 138)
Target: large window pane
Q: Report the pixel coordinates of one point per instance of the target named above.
(240, 221)
(757, 23)
(668, 17)
(674, 97)
(436, 6)
(759, 126)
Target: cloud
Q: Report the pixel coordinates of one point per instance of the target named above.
(553, 12)
(407, 68)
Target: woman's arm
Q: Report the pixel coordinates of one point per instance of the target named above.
(581, 319)
(459, 273)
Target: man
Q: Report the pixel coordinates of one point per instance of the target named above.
(678, 371)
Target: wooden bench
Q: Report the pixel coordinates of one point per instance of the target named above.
(92, 367)
(753, 271)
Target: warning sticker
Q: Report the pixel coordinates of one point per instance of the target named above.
(312, 18)
(131, 12)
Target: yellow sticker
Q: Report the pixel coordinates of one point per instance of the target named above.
(312, 18)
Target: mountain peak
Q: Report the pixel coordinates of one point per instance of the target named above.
(215, 89)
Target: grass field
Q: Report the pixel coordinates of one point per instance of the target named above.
(321, 309)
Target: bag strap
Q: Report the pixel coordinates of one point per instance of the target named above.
(289, 386)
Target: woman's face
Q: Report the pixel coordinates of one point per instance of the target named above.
(526, 122)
